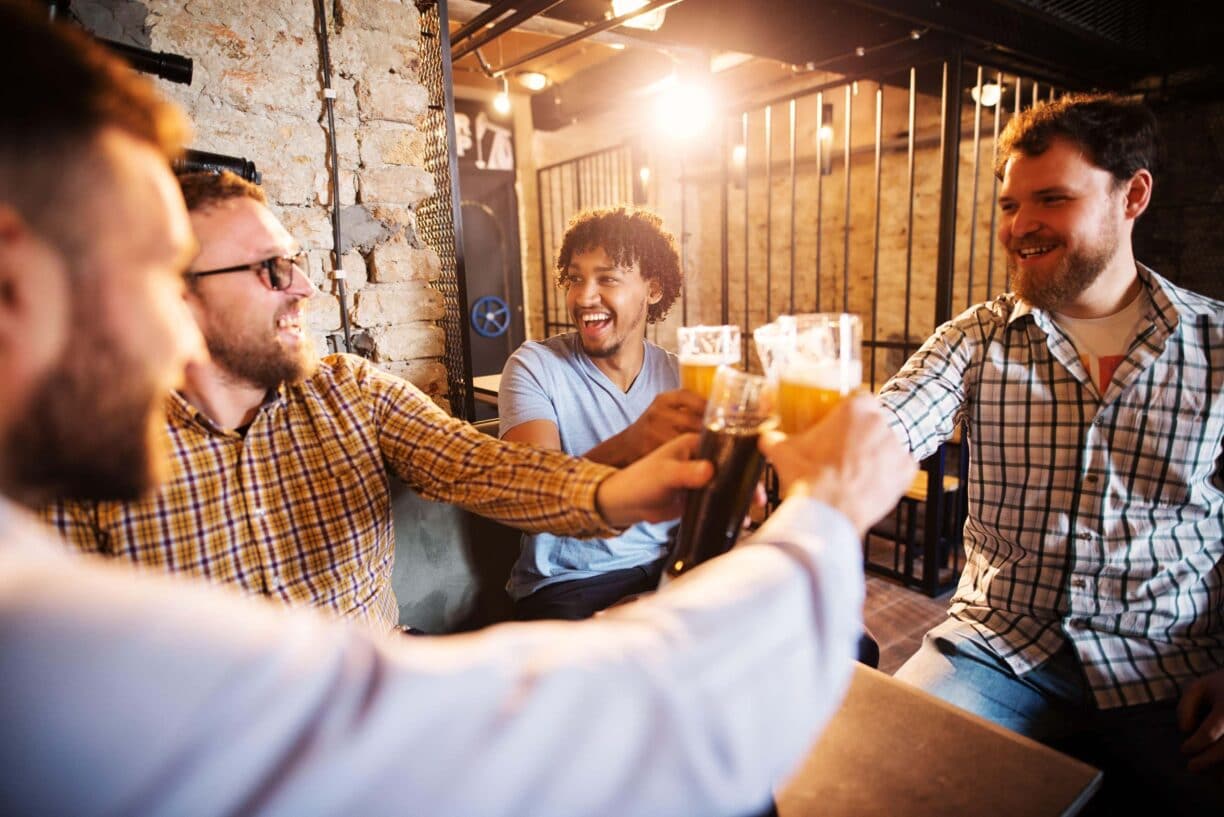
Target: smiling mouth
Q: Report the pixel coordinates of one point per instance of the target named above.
(1027, 253)
(290, 323)
(594, 321)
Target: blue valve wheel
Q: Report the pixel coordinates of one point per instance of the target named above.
(490, 316)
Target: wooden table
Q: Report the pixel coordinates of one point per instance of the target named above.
(484, 388)
(894, 750)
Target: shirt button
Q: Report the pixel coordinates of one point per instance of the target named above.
(1084, 535)
(1076, 623)
(1078, 582)
(1098, 422)
(1091, 478)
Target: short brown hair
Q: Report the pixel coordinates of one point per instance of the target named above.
(50, 123)
(204, 189)
(1117, 134)
(628, 236)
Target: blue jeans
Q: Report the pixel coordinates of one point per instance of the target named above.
(1137, 747)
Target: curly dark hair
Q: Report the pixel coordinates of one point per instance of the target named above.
(1117, 134)
(628, 236)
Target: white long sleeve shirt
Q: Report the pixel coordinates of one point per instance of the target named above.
(134, 693)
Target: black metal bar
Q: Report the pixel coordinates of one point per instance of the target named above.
(974, 167)
(909, 213)
(820, 126)
(945, 268)
(747, 213)
(793, 114)
(683, 243)
(473, 25)
(875, 251)
(543, 250)
(594, 28)
(846, 206)
(768, 229)
(994, 191)
(524, 10)
(725, 206)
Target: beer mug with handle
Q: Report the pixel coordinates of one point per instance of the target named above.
(702, 350)
(823, 366)
(740, 407)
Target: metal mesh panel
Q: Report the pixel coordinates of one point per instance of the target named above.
(438, 217)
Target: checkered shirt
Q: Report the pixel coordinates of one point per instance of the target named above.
(1094, 518)
(299, 509)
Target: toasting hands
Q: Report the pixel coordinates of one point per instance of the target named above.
(851, 461)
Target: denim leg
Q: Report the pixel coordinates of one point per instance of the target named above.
(1046, 704)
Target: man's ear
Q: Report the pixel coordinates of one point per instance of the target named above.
(1138, 193)
(654, 290)
(35, 302)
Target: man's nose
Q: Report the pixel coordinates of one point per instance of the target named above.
(1024, 220)
(301, 285)
(588, 291)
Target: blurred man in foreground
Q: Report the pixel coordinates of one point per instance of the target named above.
(130, 693)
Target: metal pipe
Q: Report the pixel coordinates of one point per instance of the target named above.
(525, 9)
(875, 250)
(950, 155)
(595, 28)
(975, 169)
(768, 223)
(170, 67)
(793, 112)
(846, 207)
(494, 11)
(909, 216)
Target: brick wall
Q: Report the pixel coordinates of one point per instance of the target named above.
(257, 94)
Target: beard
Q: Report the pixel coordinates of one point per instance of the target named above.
(1054, 290)
(259, 358)
(91, 431)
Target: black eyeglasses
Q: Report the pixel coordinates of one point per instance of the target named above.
(276, 272)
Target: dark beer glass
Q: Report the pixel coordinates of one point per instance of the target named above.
(739, 409)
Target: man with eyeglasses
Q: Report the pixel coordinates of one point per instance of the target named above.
(280, 467)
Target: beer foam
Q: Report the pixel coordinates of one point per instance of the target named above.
(834, 375)
(707, 359)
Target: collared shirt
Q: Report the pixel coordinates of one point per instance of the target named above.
(147, 694)
(299, 507)
(1097, 518)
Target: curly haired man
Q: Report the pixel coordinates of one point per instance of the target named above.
(603, 392)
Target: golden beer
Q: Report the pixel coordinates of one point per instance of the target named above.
(807, 394)
(697, 374)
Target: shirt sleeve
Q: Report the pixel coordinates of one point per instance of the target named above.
(927, 398)
(697, 700)
(522, 395)
(77, 522)
(447, 460)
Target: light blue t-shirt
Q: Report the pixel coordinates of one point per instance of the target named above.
(554, 380)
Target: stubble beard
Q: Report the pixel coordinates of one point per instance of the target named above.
(93, 430)
(1078, 271)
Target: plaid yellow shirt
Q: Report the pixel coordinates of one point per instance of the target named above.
(299, 508)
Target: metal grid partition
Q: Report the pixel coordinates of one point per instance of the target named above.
(872, 195)
(439, 216)
(605, 178)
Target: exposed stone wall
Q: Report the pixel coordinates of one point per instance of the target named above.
(257, 94)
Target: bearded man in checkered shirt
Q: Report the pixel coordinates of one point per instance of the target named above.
(1089, 615)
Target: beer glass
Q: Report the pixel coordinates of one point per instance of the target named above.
(702, 350)
(774, 344)
(823, 366)
(739, 408)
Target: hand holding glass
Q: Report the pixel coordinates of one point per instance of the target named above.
(739, 408)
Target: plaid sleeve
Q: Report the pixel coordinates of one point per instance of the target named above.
(929, 395)
(77, 522)
(446, 459)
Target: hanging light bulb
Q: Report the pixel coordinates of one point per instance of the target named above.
(533, 80)
(501, 102)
